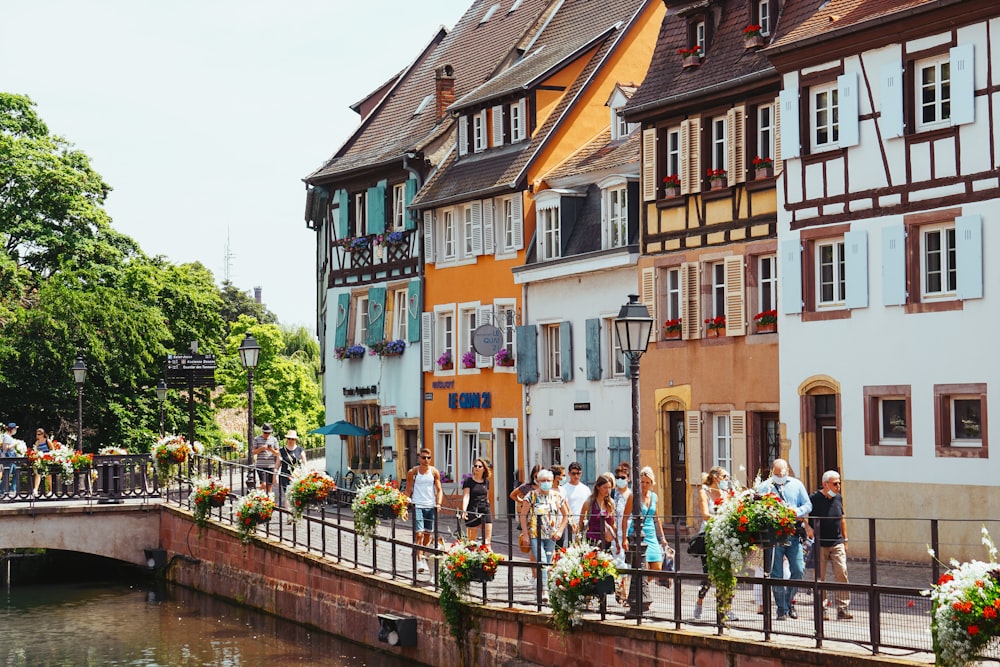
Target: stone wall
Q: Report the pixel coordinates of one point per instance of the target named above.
(345, 601)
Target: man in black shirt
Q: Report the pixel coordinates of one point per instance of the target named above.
(827, 517)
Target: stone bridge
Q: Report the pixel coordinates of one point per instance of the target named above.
(119, 531)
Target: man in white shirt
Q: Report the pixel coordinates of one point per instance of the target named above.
(576, 493)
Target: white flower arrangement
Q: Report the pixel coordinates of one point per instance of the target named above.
(20, 447)
(112, 450)
(965, 609)
(576, 571)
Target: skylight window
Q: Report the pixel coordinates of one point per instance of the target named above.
(489, 13)
(423, 104)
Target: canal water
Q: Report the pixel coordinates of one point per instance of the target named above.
(134, 621)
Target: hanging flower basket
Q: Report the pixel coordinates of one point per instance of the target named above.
(463, 563)
(252, 510)
(367, 507)
(168, 453)
(207, 493)
(308, 487)
(578, 572)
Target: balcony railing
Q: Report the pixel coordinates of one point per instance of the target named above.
(364, 259)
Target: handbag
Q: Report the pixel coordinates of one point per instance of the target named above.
(524, 543)
(696, 544)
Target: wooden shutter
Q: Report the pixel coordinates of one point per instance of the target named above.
(413, 311)
(736, 316)
(527, 354)
(779, 164)
(969, 256)
(429, 237)
(489, 230)
(788, 102)
(690, 301)
(856, 268)
(891, 98)
(427, 342)
(376, 315)
(691, 156)
(477, 228)
(692, 438)
(409, 193)
(343, 215)
(649, 164)
(647, 294)
(517, 215)
(375, 203)
(484, 316)
(893, 265)
(566, 350)
(522, 108)
(848, 110)
(738, 436)
(593, 335)
(463, 135)
(790, 277)
(340, 324)
(963, 85)
(498, 125)
(736, 145)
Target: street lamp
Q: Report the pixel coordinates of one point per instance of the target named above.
(161, 395)
(633, 326)
(79, 376)
(249, 354)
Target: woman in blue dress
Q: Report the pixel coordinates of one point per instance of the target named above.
(657, 550)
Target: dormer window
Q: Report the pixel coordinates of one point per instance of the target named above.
(479, 131)
(518, 121)
(764, 17)
(619, 98)
(699, 37)
(699, 33)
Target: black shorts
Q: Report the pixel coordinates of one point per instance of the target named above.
(265, 475)
(478, 518)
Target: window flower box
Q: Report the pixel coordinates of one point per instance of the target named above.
(752, 36)
(717, 178)
(469, 359)
(672, 329)
(388, 348)
(766, 321)
(690, 57)
(349, 352)
(671, 185)
(763, 167)
(504, 359)
(445, 362)
(716, 325)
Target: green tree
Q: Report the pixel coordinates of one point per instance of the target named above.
(236, 303)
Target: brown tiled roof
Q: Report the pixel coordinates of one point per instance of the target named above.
(599, 155)
(499, 169)
(726, 64)
(812, 19)
(475, 50)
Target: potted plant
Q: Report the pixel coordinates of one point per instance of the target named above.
(763, 167)
(671, 185)
(359, 243)
(445, 361)
(766, 321)
(375, 431)
(717, 178)
(752, 36)
(207, 493)
(464, 562)
(690, 57)
(252, 510)
(672, 329)
(390, 239)
(744, 520)
(504, 358)
(388, 348)
(168, 452)
(349, 352)
(369, 503)
(578, 572)
(716, 324)
(469, 359)
(308, 487)
(965, 609)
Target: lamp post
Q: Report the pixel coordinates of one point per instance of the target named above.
(161, 395)
(633, 326)
(79, 376)
(249, 354)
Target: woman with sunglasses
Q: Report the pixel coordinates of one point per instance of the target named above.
(476, 502)
(714, 486)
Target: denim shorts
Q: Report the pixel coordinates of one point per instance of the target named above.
(424, 517)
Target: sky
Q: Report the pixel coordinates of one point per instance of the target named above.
(204, 116)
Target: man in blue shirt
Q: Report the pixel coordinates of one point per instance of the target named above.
(793, 494)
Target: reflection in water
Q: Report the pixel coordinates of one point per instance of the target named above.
(122, 624)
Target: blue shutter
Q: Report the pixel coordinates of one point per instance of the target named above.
(376, 315)
(848, 110)
(586, 455)
(343, 215)
(340, 324)
(891, 94)
(527, 354)
(566, 350)
(413, 311)
(893, 265)
(856, 268)
(969, 256)
(788, 101)
(790, 277)
(619, 449)
(408, 194)
(963, 85)
(594, 349)
(376, 208)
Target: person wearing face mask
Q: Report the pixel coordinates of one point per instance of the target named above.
(715, 485)
(544, 515)
(793, 494)
(622, 495)
(827, 517)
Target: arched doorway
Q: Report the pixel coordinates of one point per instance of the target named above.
(820, 426)
(673, 457)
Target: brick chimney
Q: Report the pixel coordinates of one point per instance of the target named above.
(444, 89)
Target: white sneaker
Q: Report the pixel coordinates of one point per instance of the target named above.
(422, 565)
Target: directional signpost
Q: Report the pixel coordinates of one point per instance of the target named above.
(187, 371)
